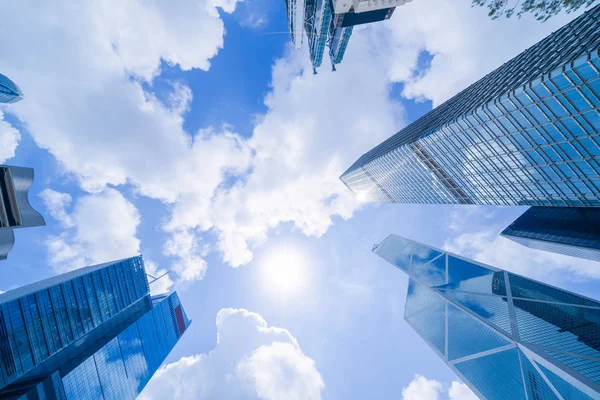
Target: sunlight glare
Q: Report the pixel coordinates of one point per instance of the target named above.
(284, 271)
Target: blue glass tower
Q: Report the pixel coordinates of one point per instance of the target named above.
(93, 333)
(9, 91)
(525, 134)
(505, 336)
(573, 231)
(15, 210)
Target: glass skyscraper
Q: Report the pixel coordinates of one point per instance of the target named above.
(93, 333)
(525, 134)
(505, 336)
(15, 210)
(573, 231)
(9, 91)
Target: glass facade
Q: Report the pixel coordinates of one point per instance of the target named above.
(52, 326)
(505, 336)
(15, 210)
(121, 368)
(9, 91)
(573, 231)
(318, 19)
(525, 134)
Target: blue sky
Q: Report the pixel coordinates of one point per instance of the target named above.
(196, 136)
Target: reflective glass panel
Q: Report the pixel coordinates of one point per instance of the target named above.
(566, 390)
(468, 336)
(506, 370)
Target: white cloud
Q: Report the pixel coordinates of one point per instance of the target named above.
(267, 364)
(9, 139)
(105, 128)
(57, 204)
(163, 284)
(460, 391)
(422, 388)
(464, 42)
(488, 247)
(103, 229)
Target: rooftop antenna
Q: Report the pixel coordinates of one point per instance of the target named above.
(154, 279)
(373, 244)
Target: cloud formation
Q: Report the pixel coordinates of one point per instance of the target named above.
(93, 107)
(100, 228)
(268, 365)
(9, 139)
(422, 388)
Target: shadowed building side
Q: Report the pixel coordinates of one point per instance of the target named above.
(572, 231)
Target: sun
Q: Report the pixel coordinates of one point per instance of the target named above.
(284, 271)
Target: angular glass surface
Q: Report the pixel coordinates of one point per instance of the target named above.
(566, 390)
(433, 273)
(536, 387)
(420, 297)
(422, 255)
(491, 308)
(430, 324)
(487, 284)
(395, 250)
(82, 382)
(468, 336)
(589, 368)
(530, 289)
(459, 270)
(568, 328)
(506, 370)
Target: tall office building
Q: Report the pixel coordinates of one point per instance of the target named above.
(9, 91)
(15, 210)
(93, 333)
(330, 23)
(295, 14)
(573, 231)
(525, 134)
(505, 336)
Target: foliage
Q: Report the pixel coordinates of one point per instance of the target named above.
(542, 9)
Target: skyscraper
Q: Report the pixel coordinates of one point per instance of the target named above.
(9, 91)
(93, 333)
(295, 14)
(330, 23)
(505, 336)
(525, 134)
(15, 210)
(573, 231)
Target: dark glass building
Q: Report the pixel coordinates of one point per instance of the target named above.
(93, 333)
(573, 231)
(525, 134)
(505, 336)
(9, 91)
(15, 210)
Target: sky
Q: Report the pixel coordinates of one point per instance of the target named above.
(197, 136)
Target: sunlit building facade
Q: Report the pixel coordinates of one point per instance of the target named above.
(505, 336)
(15, 209)
(525, 134)
(93, 333)
(572, 231)
(9, 91)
